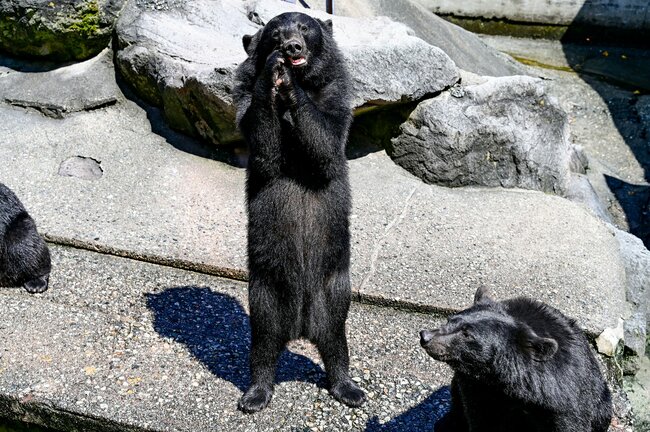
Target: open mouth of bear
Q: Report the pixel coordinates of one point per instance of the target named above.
(297, 61)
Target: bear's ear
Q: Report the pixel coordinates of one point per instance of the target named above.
(483, 295)
(246, 41)
(326, 25)
(538, 348)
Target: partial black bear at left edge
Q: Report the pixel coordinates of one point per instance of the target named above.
(24, 256)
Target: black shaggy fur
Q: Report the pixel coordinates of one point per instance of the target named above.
(520, 365)
(293, 108)
(24, 256)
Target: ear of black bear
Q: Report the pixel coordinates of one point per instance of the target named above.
(326, 25)
(482, 295)
(538, 348)
(246, 40)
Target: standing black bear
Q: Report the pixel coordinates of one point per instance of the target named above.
(520, 366)
(293, 108)
(24, 256)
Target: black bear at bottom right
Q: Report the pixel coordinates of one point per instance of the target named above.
(519, 366)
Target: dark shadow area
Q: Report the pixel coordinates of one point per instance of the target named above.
(234, 154)
(30, 65)
(216, 330)
(14, 426)
(372, 130)
(603, 58)
(635, 201)
(421, 417)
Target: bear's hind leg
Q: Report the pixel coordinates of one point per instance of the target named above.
(333, 350)
(268, 340)
(265, 351)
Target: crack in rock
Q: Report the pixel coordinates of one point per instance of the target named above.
(378, 245)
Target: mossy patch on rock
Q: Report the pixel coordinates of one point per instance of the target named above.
(60, 30)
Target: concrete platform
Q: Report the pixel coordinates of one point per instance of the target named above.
(121, 345)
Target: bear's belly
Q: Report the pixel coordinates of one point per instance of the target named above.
(298, 234)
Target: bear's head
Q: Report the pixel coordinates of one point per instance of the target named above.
(482, 340)
(299, 37)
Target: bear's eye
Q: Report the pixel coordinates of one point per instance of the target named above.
(275, 34)
(304, 28)
(466, 332)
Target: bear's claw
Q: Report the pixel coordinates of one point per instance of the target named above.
(37, 286)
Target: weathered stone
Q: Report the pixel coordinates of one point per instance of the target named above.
(464, 48)
(505, 132)
(636, 259)
(81, 86)
(60, 30)
(188, 67)
(627, 14)
(607, 342)
(580, 190)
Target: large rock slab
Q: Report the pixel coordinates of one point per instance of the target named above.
(81, 86)
(465, 48)
(60, 30)
(626, 14)
(503, 132)
(183, 59)
(413, 245)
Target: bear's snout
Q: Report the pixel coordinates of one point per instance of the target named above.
(426, 336)
(292, 47)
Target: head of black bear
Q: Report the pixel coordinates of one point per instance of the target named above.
(300, 38)
(25, 256)
(483, 338)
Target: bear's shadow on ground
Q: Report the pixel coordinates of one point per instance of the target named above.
(421, 417)
(216, 330)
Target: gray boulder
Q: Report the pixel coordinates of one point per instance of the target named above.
(637, 272)
(503, 132)
(183, 58)
(465, 49)
(80, 86)
(61, 30)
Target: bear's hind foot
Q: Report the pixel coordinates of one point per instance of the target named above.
(349, 393)
(37, 286)
(255, 399)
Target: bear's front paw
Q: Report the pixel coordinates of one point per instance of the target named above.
(274, 66)
(37, 286)
(349, 393)
(255, 399)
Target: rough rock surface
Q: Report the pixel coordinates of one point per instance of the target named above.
(637, 270)
(464, 48)
(81, 86)
(183, 59)
(61, 30)
(505, 132)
